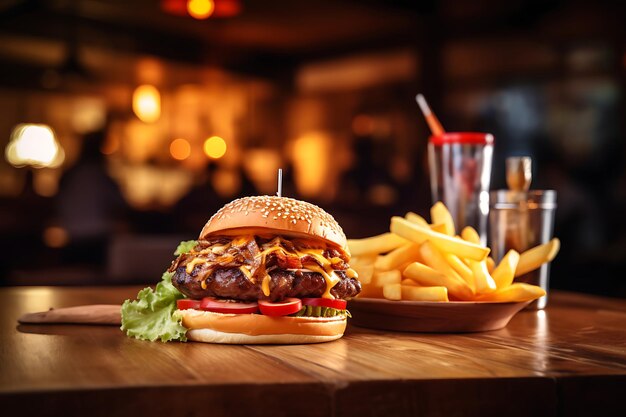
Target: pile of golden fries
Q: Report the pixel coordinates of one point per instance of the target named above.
(418, 261)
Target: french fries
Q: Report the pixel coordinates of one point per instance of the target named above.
(520, 291)
(392, 292)
(429, 277)
(416, 219)
(462, 269)
(461, 248)
(380, 279)
(483, 281)
(537, 256)
(470, 234)
(409, 282)
(440, 227)
(424, 275)
(455, 284)
(404, 254)
(421, 261)
(375, 244)
(416, 293)
(504, 273)
(371, 291)
(440, 215)
(365, 267)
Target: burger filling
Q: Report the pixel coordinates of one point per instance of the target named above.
(256, 268)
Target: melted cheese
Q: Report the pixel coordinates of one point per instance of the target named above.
(331, 279)
(218, 249)
(325, 269)
(321, 265)
(351, 273)
(315, 254)
(270, 250)
(244, 270)
(265, 285)
(241, 240)
(195, 261)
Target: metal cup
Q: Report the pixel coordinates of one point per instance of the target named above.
(521, 220)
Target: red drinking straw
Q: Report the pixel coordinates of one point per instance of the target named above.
(431, 119)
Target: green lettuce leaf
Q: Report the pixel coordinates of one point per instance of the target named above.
(185, 246)
(152, 316)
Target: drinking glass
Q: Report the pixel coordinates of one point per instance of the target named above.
(460, 172)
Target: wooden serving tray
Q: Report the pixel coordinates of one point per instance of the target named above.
(432, 317)
(109, 314)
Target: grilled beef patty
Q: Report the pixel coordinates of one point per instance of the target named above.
(232, 283)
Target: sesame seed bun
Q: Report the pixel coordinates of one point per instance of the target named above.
(275, 215)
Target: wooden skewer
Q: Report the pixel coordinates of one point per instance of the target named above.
(89, 314)
(280, 182)
(431, 119)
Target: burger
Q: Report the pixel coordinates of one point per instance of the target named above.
(266, 269)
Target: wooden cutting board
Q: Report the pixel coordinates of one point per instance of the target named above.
(108, 314)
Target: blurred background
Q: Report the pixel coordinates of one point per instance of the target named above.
(125, 124)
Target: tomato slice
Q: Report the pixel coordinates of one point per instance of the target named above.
(186, 304)
(283, 308)
(325, 302)
(227, 306)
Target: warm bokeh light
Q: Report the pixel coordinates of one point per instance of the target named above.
(200, 9)
(226, 182)
(146, 186)
(88, 114)
(147, 103)
(139, 143)
(180, 149)
(150, 70)
(55, 237)
(312, 163)
(110, 145)
(362, 125)
(35, 145)
(220, 8)
(261, 166)
(46, 182)
(227, 8)
(382, 195)
(215, 147)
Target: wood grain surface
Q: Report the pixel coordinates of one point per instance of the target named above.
(110, 314)
(567, 360)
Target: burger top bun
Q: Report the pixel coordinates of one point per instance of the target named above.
(275, 215)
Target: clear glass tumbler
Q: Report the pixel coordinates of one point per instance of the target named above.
(460, 172)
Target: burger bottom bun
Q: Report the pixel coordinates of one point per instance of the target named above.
(209, 327)
(213, 336)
